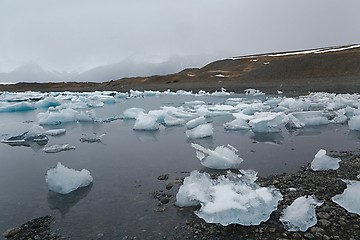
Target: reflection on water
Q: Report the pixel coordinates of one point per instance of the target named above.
(63, 202)
(146, 136)
(276, 137)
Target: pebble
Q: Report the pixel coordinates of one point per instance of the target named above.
(324, 223)
(11, 232)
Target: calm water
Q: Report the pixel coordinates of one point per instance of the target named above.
(126, 164)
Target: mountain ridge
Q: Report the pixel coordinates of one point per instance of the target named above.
(331, 69)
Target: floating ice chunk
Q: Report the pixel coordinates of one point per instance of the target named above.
(268, 122)
(220, 158)
(65, 115)
(237, 124)
(16, 107)
(64, 180)
(92, 139)
(295, 104)
(146, 122)
(58, 148)
(255, 107)
(178, 112)
(219, 107)
(55, 132)
(324, 162)
(104, 99)
(47, 102)
(132, 113)
(349, 199)
(221, 93)
(233, 198)
(300, 215)
(196, 122)
(354, 123)
(201, 131)
(253, 92)
(135, 93)
(195, 102)
(308, 118)
(121, 95)
(170, 120)
(340, 116)
(35, 134)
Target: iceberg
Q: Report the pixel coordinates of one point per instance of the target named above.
(34, 135)
(220, 158)
(349, 199)
(55, 132)
(267, 122)
(92, 139)
(58, 148)
(47, 102)
(170, 120)
(229, 199)
(354, 123)
(132, 113)
(65, 115)
(237, 124)
(300, 215)
(308, 118)
(16, 107)
(196, 122)
(201, 131)
(64, 180)
(146, 122)
(324, 162)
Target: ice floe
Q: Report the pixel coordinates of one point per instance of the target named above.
(349, 199)
(324, 162)
(132, 113)
(196, 122)
(201, 131)
(92, 139)
(55, 132)
(65, 115)
(220, 158)
(229, 199)
(64, 180)
(301, 214)
(58, 148)
(34, 135)
(268, 122)
(146, 122)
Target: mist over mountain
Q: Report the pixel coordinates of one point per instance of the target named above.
(34, 72)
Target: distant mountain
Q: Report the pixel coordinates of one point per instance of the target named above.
(331, 69)
(33, 72)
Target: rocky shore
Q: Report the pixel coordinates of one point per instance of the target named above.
(334, 222)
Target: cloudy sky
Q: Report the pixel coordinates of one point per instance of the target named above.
(76, 35)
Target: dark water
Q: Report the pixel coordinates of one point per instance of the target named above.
(126, 164)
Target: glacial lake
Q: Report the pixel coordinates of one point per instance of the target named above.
(126, 164)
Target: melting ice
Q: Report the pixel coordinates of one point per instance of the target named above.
(324, 162)
(231, 198)
(64, 180)
(300, 215)
(349, 199)
(220, 158)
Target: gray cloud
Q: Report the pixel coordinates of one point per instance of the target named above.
(78, 35)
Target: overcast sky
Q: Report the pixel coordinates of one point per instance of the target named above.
(67, 35)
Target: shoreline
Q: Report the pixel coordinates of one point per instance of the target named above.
(333, 221)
